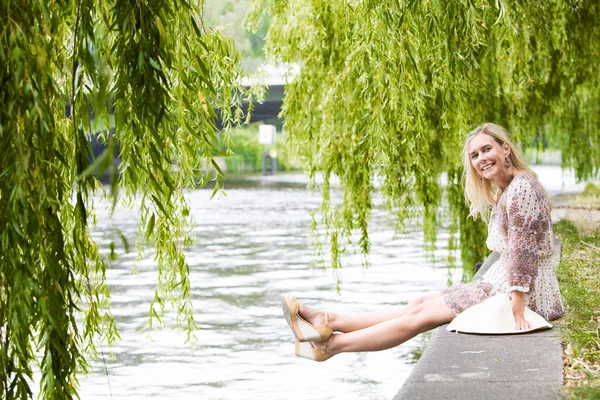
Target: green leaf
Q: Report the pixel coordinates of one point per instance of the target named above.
(124, 241)
(195, 26)
(113, 255)
(154, 64)
(99, 165)
(150, 227)
(216, 166)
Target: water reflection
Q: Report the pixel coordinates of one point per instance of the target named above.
(253, 248)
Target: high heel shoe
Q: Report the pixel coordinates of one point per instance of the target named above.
(303, 330)
(308, 350)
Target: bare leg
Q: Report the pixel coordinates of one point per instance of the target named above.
(353, 322)
(391, 333)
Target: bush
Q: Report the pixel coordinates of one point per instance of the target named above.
(591, 190)
(248, 153)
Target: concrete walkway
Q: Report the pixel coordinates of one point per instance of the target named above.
(458, 366)
(462, 366)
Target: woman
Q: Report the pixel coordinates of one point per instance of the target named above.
(497, 179)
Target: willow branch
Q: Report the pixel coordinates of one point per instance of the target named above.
(75, 65)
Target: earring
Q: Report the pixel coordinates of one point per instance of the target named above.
(506, 163)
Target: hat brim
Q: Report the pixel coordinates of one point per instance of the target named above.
(494, 317)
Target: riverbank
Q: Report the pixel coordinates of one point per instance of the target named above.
(550, 364)
(580, 288)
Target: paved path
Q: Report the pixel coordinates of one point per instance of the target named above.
(459, 366)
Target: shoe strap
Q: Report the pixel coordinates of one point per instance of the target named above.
(324, 330)
(323, 349)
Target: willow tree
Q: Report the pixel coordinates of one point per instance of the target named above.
(387, 90)
(155, 78)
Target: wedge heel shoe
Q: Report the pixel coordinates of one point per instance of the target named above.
(303, 330)
(309, 351)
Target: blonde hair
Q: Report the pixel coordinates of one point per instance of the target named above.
(479, 192)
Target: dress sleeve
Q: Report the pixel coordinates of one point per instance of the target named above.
(526, 224)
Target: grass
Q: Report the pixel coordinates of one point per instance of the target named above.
(588, 200)
(579, 277)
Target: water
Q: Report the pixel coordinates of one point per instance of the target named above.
(253, 247)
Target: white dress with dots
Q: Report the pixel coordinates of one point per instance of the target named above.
(520, 229)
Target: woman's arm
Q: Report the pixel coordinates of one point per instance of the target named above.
(528, 221)
(518, 309)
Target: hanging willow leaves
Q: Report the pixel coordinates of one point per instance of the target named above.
(387, 90)
(155, 70)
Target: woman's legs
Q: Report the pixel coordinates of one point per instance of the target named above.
(391, 333)
(353, 322)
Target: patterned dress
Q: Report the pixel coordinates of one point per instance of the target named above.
(520, 229)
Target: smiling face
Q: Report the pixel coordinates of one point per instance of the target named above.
(487, 155)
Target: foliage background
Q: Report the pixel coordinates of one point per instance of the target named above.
(386, 91)
(229, 15)
(59, 61)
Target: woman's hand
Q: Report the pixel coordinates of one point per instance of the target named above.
(518, 309)
(521, 322)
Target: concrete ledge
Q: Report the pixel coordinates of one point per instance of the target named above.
(463, 366)
(491, 390)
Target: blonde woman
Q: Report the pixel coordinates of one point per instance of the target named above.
(501, 189)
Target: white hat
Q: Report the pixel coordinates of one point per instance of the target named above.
(494, 316)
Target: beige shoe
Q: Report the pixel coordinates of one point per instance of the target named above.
(303, 330)
(308, 350)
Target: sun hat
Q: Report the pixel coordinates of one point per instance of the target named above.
(494, 317)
